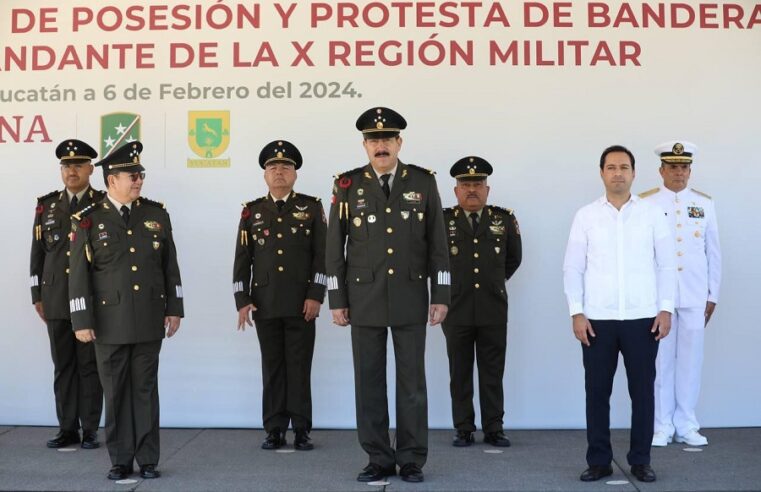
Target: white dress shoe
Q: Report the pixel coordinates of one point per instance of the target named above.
(661, 439)
(692, 438)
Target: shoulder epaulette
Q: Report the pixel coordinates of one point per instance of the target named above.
(702, 194)
(449, 210)
(148, 201)
(254, 202)
(308, 197)
(45, 197)
(413, 166)
(85, 211)
(647, 193)
(346, 173)
(508, 211)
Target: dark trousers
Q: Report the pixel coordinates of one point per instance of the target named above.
(369, 350)
(287, 346)
(129, 374)
(490, 344)
(633, 339)
(78, 394)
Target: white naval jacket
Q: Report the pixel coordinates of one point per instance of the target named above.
(692, 218)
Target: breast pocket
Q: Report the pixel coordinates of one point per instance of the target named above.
(153, 234)
(414, 216)
(261, 234)
(52, 233)
(105, 245)
(363, 216)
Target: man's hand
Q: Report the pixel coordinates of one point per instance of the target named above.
(340, 316)
(244, 317)
(582, 328)
(172, 324)
(41, 313)
(437, 313)
(85, 336)
(662, 325)
(710, 306)
(311, 309)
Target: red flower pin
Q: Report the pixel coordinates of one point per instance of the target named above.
(246, 213)
(85, 223)
(344, 182)
(39, 209)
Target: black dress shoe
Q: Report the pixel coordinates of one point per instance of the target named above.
(463, 439)
(301, 441)
(596, 472)
(119, 472)
(63, 439)
(497, 439)
(274, 440)
(374, 472)
(90, 440)
(643, 473)
(411, 472)
(149, 471)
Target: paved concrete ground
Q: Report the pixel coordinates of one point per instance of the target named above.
(231, 460)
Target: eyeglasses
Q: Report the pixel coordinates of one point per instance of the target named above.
(135, 176)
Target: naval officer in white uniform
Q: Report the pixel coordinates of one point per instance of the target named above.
(692, 217)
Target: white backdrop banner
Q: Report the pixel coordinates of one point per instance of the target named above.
(537, 88)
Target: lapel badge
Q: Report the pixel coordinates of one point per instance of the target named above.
(302, 208)
(371, 219)
(307, 231)
(101, 227)
(420, 216)
(294, 230)
(261, 241)
(52, 205)
(266, 232)
(360, 191)
(152, 225)
(357, 221)
(405, 214)
(156, 245)
(451, 222)
(497, 249)
(258, 215)
(454, 250)
(56, 237)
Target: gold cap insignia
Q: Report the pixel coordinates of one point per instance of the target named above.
(678, 149)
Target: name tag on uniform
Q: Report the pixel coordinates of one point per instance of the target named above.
(696, 212)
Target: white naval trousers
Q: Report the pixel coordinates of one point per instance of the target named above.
(678, 370)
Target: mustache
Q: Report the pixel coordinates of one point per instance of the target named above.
(382, 153)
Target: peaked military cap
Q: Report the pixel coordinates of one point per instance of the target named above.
(280, 151)
(380, 123)
(471, 168)
(676, 152)
(124, 159)
(74, 151)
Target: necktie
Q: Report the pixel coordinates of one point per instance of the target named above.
(474, 220)
(73, 204)
(280, 204)
(125, 214)
(385, 186)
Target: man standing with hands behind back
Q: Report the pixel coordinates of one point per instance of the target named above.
(385, 240)
(619, 278)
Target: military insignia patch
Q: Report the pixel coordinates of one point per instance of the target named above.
(371, 219)
(156, 245)
(102, 236)
(260, 241)
(497, 249)
(454, 250)
(413, 197)
(357, 221)
(360, 191)
(696, 212)
(152, 225)
(301, 215)
(302, 208)
(420, 216)
(294, 230)
(405, 214)
(361, 203)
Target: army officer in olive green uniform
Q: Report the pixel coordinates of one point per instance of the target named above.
(386, 239)
(484, 252)
(279, 277)
(78, 394)
(126, 295)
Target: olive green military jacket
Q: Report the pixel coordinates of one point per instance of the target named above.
(124, 278)
(280, 256)
(481, 261)
(382, 252)
(49, 266)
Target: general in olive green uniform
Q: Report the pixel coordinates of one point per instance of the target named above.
(125, 284)
(484, 252)
(386, 239)
(279, 268)
(78, 394)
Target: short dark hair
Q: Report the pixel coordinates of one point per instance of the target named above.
(616, 148)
